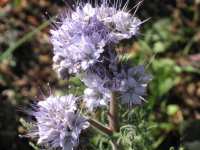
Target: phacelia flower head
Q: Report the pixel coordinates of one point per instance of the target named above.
(81, 36)
(57, 123)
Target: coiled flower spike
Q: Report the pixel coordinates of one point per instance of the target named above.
(81, 36)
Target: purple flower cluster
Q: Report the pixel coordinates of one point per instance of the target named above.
(58, 125)
(84, 43)
(81, 37)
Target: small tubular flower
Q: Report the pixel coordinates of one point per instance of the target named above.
(94, 99)
(134, 86)
(57, 123)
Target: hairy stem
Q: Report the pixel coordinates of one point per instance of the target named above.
(113, 114)
(100, 127)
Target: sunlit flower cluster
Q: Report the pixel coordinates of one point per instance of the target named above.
(82, 35)
(84, 42)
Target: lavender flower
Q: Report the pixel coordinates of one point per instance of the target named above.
(133, 85)
(94, 81)
(94, 99)
(57, 123)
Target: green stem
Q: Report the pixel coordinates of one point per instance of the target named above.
(25, 38)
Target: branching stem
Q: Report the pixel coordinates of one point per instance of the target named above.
(100, 127)
(113, 121)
